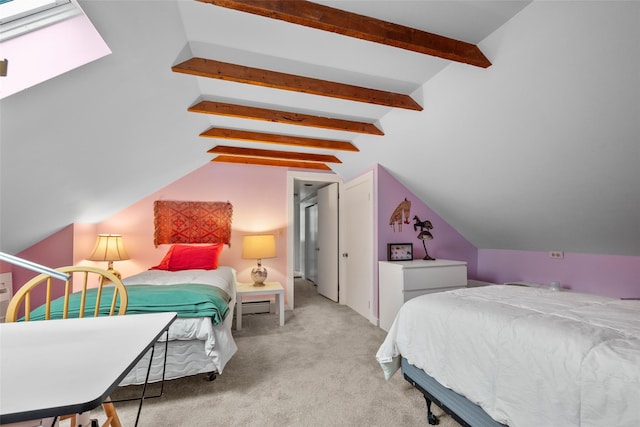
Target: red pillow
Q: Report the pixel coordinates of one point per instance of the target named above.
(164, 264)
(186, 257)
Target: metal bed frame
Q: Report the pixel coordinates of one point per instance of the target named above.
(465, 412)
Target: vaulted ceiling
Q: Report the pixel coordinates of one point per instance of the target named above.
(324, 18)
(496, 114)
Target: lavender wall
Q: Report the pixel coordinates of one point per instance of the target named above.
(447, 243)
(610, 275)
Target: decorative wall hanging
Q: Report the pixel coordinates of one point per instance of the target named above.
(399, 251)
(192, 222)
(424, 234)
(402, 211)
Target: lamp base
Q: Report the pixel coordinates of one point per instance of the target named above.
(115, 273)
(258, 275)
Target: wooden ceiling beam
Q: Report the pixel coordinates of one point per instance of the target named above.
(359, 26)
(238, 73)
(270, 138)
(271, 162)
(273, 154)
(256, 113)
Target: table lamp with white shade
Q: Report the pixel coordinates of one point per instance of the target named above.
(110, 248)
(259, 247)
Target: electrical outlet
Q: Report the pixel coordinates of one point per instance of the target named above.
(556, 254)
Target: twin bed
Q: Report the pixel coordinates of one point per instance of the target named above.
(520, 356)
(197, 345)
(197, 232)
(198, 341)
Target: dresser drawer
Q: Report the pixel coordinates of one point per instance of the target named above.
(438, 277)
(412, 294)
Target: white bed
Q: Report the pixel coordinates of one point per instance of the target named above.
(526, 356)
(195, 345)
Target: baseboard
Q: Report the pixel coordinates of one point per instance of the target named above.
(256, 307)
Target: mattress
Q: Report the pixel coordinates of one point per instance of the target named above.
(527, 356)
(195, 344)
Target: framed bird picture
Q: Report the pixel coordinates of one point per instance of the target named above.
(399, 251)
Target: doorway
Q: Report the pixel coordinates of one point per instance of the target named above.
(302, 188)
(309, 245)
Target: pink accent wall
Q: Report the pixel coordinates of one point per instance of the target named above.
(447, 243)
(54, 251)
(258, 196)
(609, 275)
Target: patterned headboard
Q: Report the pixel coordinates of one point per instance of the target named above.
(191, 222)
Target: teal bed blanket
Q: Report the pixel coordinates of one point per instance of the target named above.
(188, 300)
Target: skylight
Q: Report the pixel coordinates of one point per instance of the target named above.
(18, 17)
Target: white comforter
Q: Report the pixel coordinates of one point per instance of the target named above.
(198, 328)
(527, 356)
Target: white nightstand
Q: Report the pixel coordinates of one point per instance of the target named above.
(269, 288)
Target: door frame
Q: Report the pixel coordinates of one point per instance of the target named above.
(292, 176)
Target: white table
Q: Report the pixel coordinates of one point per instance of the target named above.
(56, 367)
(269, 288)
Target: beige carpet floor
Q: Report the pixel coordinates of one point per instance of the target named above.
(319, 369)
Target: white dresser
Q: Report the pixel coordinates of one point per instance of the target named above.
(399, 281)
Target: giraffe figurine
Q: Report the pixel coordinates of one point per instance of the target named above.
(403, 210)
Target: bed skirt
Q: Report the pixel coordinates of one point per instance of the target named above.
(184, 358)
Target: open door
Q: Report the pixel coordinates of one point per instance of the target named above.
(327, 242)
(359, 256)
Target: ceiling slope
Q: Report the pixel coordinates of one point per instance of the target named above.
(321, 17)
(314, 15)
(536, 152)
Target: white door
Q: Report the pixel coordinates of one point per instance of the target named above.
(358, 257)
(327, 239)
